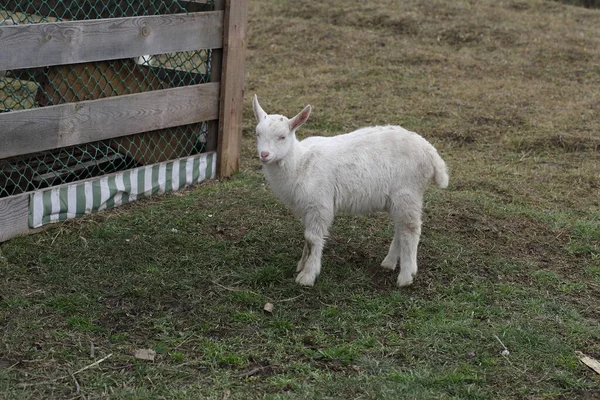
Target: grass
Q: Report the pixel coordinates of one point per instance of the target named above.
(507, 91)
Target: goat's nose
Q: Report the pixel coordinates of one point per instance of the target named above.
(264, 154)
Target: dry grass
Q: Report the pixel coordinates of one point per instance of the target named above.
(511, 82)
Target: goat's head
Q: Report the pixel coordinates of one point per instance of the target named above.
(275, 134)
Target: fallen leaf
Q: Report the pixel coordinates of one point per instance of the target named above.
(269, 307)
(145, 354)
(589, 361)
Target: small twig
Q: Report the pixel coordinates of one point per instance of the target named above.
(76, 383)
(524, 155)
(543, 377)
(506, 357)
(253, 372)
(498, 339)
(51, 381)
(513, 365)
(184, 364)
(34, 292)
(232, 289)
(56, 236)
(12, 366)
(328, 305)
(187, 339)
(93, 364)
(290, 299)
(92, 350)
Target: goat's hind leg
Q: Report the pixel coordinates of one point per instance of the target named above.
(407, 220)
(410, 233)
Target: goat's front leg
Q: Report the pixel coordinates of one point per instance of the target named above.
(316, 227)
(302, 261)
(391, 260)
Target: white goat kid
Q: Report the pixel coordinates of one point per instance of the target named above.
(372, 169)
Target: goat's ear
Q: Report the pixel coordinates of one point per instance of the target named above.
(259, 113)
(300, 118)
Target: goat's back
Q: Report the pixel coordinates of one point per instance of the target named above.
(367, 169)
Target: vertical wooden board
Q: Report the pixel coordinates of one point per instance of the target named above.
(14, 213)
(215, 76)
(232, 87)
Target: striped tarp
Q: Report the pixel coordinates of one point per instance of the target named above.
(74, 200)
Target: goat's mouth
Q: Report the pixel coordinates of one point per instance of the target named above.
(266, 160)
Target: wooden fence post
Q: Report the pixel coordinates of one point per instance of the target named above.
(232, 87)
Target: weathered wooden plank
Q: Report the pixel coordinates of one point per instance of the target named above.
(14, 213)
(232, 87)
(74, 42)
(39, 129)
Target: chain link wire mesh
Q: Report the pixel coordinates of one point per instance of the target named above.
(40, 87)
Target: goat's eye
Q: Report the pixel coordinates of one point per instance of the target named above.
(281, 138)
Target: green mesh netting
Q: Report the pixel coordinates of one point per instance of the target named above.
(41, 87)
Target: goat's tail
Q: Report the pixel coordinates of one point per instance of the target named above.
(440, 171)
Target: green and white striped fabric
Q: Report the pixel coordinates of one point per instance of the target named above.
(74, 200)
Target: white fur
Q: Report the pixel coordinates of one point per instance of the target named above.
(381, 168)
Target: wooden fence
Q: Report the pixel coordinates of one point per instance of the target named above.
(222, 29)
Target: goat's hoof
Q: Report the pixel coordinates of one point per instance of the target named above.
(387, 264)
(305, 279)
(404, 280)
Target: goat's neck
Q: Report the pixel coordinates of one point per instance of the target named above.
(287, 166)
(282, 175)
